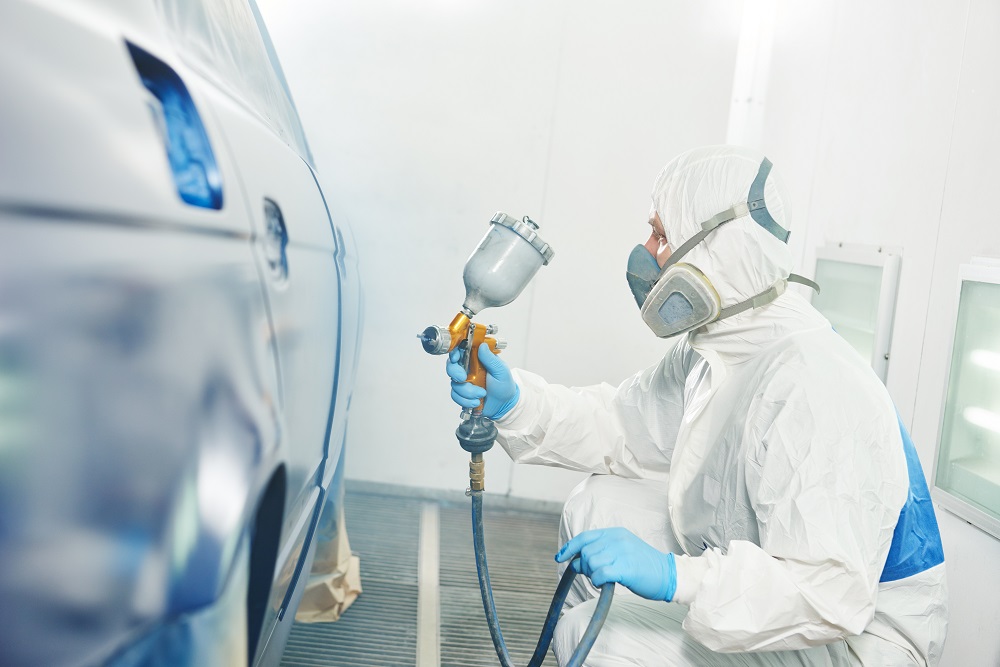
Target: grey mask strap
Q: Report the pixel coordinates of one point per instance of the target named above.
(707, 228)
(796, 278)
(754, 205)
(756, 301)
(758, 208)
(762, 299)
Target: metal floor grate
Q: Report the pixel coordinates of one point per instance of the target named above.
(381, 627)
(520, 546)
(379, 630)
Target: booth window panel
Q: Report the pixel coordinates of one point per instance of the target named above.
(849, 298)
(968, 465)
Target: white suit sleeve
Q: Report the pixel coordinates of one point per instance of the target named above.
(628, 431)
(826, 483)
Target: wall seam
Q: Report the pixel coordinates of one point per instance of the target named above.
(544, 201)
(812, 228)
(940, 222)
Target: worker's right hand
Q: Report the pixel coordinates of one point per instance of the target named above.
(617, 555)
(501, 392)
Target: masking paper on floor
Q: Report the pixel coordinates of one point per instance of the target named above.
(335, 581)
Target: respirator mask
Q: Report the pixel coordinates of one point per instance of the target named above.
(679, 297)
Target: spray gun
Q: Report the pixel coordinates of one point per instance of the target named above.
(498, 270)
(495, 274)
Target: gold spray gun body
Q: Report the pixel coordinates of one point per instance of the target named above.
(476, 433)
(498, 270)
(467, 336)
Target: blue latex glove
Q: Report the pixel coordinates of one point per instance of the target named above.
(617, 555)
(501, 392)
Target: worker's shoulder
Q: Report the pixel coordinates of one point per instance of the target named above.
(817, 395)
(819, 361)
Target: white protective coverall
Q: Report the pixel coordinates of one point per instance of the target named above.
(764, 452)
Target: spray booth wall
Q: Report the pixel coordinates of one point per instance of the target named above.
(425, 118)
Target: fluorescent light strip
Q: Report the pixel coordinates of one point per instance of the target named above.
(986, 359)
(982, 418)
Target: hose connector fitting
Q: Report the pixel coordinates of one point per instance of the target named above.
(477, 473)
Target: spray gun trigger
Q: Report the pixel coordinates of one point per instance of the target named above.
(463, 356)
(467, 353)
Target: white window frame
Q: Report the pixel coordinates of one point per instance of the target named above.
(889, 260)
(981, 270)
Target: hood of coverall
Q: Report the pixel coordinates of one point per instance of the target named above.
(741, 258)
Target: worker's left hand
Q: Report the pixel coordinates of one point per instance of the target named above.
(617, 555)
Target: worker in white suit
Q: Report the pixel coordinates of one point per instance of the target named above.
(753, 491)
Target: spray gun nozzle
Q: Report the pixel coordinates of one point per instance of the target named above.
(435, 340)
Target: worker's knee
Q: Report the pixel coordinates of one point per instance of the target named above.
(570, 630)
(606, 501)
(575, 507)
(579, 512)
(635, 632)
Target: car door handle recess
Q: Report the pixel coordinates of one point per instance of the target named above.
(275, 241)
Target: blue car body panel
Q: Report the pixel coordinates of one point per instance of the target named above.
(163, 389)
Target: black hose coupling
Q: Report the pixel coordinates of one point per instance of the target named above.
(476, 433)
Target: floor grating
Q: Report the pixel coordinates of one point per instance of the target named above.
(520, 546)
(380, 628)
